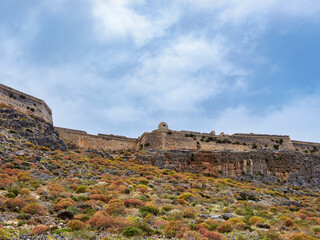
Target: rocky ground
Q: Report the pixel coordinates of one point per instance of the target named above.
(49, 192)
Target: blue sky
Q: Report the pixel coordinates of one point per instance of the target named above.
(123, 66)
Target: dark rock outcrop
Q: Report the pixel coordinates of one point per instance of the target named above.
(286, 167)
(27, 128)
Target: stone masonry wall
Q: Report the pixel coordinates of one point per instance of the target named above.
(25, 103)
(101, 142)
(306, 147)
(186, 140)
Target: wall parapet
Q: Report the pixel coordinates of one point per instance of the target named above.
(259, 135)
(305, 143)
(25, 103)
(70, 130)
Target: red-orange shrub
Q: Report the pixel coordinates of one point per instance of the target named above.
(63, 204)
(14, 204)
(99, 197)
(77, 225)
(101, 220)
(38, 230)
(132, 202)
(115, 206)
(213, 235)
(33, 208)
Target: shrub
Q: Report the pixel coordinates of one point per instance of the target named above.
(63, 204)
(254, 220)
(288, 222)
(132, 202)
(74, 210)
(192, 235)
(189, 213)
(55, 188)
(175, 215)
(38, 230)
(142, 189)
(23, 176)
(148, 210)
(213, 235)
(167, 207)
(99, 197)
(4, 234)
(131, 231)
(14, 204)
(182, 202)
(225, 227)
(316, 230)
(43, 148)
(77, 225)
(186, 196)
(25, 192)
(171, 229)
(235, 220)
(115, 206)
(82, 189)
(33, 208)
(101, 220)
(212, 224)
(10, 195)
(301, 236)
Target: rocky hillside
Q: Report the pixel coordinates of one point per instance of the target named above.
(285, 167)
(25, 129)
(50, 192)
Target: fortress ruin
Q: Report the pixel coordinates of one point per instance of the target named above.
(160, 139)
(25, 103)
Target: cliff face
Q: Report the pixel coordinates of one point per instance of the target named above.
(286, 167)
(21, 128)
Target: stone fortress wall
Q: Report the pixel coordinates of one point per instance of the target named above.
(161, 139)
(166, 139)
(25, 103)
(98, 142)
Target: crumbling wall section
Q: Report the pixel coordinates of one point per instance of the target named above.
(97, 142)
(306, 147)
(25, 103)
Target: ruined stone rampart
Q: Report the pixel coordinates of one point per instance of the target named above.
(25, 103)
(306, 147)
(166, 139)
(98, 142)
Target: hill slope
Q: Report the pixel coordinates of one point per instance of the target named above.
(78, 194)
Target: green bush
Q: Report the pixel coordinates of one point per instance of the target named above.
(10, 195)
(131, 231)
(4, 234)
(148, 210)
(74, 210)
(82, 189)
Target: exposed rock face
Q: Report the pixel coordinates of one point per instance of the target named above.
(287, 167)
(25, 128)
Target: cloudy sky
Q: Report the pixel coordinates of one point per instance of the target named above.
(123, 66)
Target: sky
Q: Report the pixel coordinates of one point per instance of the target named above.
(123, 66)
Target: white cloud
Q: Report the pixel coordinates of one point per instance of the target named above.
(298, 118)
(235, 11)
(189, 70)
(116, 21)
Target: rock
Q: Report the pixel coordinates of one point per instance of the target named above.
(30, 129)
(244, 195)
(65, 214)
(266, 166)
(227, 216)
(263, 225)
(20, 153)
